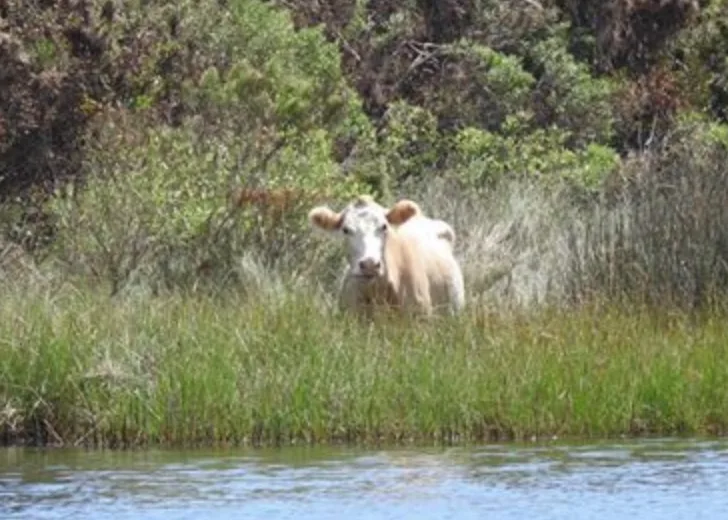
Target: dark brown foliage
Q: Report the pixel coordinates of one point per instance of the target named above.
(646, 108)
(334, 15)
(447, 20)
(63, 61)
(630, 33)
(101, 57)
(42, 117)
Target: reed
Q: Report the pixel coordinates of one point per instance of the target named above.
(78, 368)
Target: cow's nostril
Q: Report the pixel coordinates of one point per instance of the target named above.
(369, 265)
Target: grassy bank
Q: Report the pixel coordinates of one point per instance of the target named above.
(77, 369)
(184, 294)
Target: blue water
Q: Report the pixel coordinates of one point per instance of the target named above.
(646, 479)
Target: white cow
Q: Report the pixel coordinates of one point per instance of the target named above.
(397, 256)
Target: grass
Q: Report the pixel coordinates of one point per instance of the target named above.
(78, 368)
(550, 344)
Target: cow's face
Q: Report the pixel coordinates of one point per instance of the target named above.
(366, 226)
(365, 229)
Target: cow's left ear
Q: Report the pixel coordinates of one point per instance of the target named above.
(402, 211)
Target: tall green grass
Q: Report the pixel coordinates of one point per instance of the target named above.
(78, 368)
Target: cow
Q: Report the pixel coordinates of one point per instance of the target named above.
(397, 257)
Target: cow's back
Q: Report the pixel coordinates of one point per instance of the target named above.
(428, 227)
(431, 240)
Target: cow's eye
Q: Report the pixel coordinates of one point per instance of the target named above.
(347, 230)
(383, 228)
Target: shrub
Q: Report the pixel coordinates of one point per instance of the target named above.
(481, 157)
(700, 50)
(408, 142)
(166, 206)
(170, 202)
(566, 95)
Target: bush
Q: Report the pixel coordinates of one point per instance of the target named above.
(628, 33)
(478, 86)
(484, 158)
(568, 97)
(701, 51)
(172, 202)
(167, 205)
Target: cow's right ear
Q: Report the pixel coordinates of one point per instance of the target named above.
(324, 218)
(402, 211)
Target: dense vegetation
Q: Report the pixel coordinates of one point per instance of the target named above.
(80, 369)
(158, 151)
(142, 139)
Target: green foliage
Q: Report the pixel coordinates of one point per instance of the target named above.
(502, 75)
(704, 131)
(164, 204)
(162, 198)
(597, 163)
(570, 97)
(276, 72)
(166, 185)
(81, 369)
(481, 157)
(46, 52)
(409, 140)
(164, 115)
(702, 50)
(483, 87)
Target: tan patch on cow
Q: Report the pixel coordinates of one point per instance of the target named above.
(402, 211)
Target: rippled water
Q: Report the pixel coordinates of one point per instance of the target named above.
(648, 479)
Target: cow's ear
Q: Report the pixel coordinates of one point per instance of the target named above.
(324, 218)
(402, 211)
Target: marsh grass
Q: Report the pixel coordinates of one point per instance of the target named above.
(512, 241)
(78, 368)
(658, 238)
(587, 320)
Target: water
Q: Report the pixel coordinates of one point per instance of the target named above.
(648, 479)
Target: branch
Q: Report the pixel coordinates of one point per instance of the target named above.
(347, 47)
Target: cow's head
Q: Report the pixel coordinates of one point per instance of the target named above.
(365, 226)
